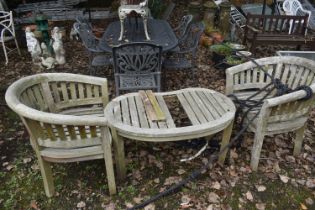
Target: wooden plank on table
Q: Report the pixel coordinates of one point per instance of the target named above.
(125, 111)
(215, 104)
(202, 106)
(208, 104)
(133, 112)
(190, 113)
(148, 106)
(169, 120)
(157, 109)
(195, 107)
(145, 122)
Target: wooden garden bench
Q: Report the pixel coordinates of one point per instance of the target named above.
(280, 114)
(63, 114)
(276, 29)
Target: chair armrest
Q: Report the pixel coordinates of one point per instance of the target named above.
(255, 30)
(287, 98)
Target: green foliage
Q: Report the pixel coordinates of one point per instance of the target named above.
(156, 7)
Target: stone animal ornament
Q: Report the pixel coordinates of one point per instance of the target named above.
(33, 45)
(49, 62)
(58, 46)
(45, 52)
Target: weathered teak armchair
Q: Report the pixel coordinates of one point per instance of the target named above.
(63, 114)
(280, 114)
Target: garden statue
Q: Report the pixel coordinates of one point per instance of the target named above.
(33, 45)
(142, 9)
(58, 46)
(49, 62)
(45, 52)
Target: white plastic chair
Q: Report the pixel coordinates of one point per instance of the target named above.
(294, 7)
(7, 33)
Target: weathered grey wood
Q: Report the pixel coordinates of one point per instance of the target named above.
(141, 113)
(195, 104)
(280, 114)
(64, 116)
(133, 112)
(106, 137)
(119, 151)
(169, 119)
(190, 113)
(225, 140)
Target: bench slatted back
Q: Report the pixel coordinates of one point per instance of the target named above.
(68, 96)
(278, 24)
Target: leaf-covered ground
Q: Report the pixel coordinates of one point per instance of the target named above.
(282, 181)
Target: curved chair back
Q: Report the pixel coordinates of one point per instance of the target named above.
(137, 66)
(86, 34)
(293, 71)
(63, 114)
(191, 38)
(183, 26)
(52, 105)
(6, 22)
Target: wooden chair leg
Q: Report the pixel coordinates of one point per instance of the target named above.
(298, 140)
(106, 137)
(258, 142)
(119, 153)
(225, 140)
(45, 169)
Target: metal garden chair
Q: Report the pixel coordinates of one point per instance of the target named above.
(186, 56)
(137, 66)
(97, 57)
(7, 33)
(181, 29)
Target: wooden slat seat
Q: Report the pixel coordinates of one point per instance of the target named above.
(64, 116)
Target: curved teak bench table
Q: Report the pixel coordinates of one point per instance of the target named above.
(208, 111)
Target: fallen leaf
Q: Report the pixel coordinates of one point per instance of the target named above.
(284, 179)
(181, 171)
(27, 160)
(216, 185)
(81, 204)
(310, 183)
(172, 180)
(309, 201)
(260, 206)
(260, 188)
(128, 204)
(110, 206)
(137, 200)
(157, 180)
(249, 196)
(233, 154)
(303, 206)
(150, 207)
(213, 198)
(9, 167)
(33, 205)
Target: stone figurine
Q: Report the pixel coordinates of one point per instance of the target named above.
(45, 52)
(58, 46)
(49, 62)
(33, 45)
